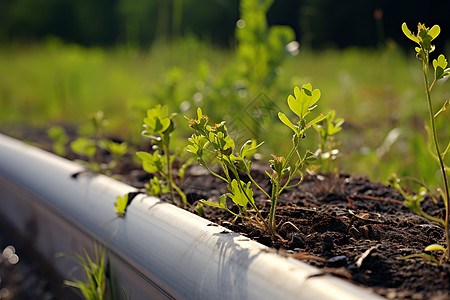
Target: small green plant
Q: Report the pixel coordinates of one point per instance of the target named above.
(327, 151)
(60, 139)
(215, 140)
(413, 201)
(121, 205)
(91, 143)
(95, 282)
(158, 126)
(93, 287)
(423, 38)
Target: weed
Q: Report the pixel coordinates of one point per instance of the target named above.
(91, 142)
(95, 273)
(60, 139)
(94, 285)
(327, 151)
(158, 126)
(423, 38)
(121, 205)
(215, 140)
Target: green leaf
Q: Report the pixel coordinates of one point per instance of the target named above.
(408, 33)
(121, 205)
(222, 202)
(248, 149)
(421, 255)
(434, 31)
(304, 100)
(116, 149)
(158, 120)
(59, 138)
(439, 65)
(316, 120)
(435, 247)
(287, 122)
(83, 146)
(151, 162)
(241, 194)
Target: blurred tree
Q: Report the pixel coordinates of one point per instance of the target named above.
(317, 23)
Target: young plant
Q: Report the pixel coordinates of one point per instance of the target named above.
(413, 201)
(60, 139)
(93, 287)
(158, 126)
(92, 143)
(423, 38)
(215, 139)
(120, 205)
(328, 152)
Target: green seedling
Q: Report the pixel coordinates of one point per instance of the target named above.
(158, 126)
(121, 205)
(434, 247)
(92, 143)
(93, 287)
(215, 139)
(60, 139)
(327, 151)
(97, 281)
(423, 39)
(413, 201)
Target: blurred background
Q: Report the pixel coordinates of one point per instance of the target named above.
(62, 60)
(108, 23)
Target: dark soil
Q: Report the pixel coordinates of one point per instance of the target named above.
(344, 224)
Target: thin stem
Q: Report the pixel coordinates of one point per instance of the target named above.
(257, 185)
(273, 206)
(438, 152)
(169, 168)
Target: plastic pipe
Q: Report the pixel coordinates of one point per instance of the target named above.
(157, 251)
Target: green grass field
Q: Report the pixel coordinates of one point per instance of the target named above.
(378, 92)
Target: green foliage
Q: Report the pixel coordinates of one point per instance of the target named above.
(158, 126)
(423, 38)
(92, 142)
(261, 48)
(60, 139)
(215, 140)
(93, 286)
(121, 205)
(413, 201)
(327, 151)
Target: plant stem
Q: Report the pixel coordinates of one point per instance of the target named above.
(273, 206)
(438, 152)
(169, 167)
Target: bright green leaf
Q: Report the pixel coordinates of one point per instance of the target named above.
(316, 120)
(121, 205)
(434, 31)
(435, 247)
(408, 33)
(83, 146)
(287, 122)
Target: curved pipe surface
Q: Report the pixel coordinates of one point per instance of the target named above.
(157, 250)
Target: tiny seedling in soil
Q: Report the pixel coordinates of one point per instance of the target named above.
(215, 140)
(423, 38)
(89, 144)
(93, 287)
(60, 139)
(158, 126)
(327, 152)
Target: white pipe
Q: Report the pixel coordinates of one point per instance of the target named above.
(158, 250)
